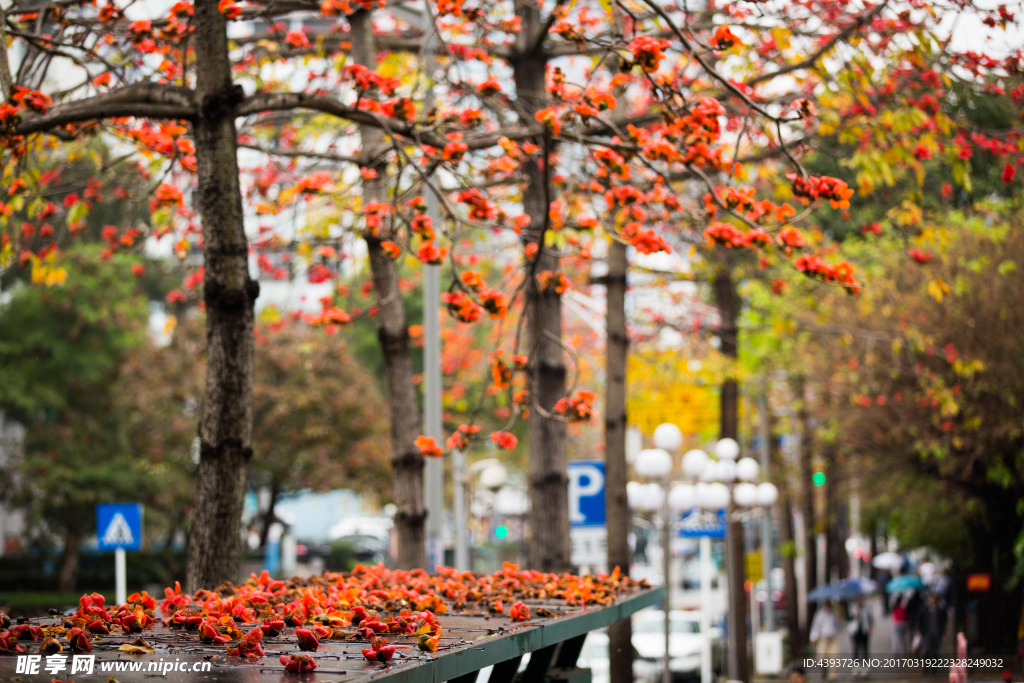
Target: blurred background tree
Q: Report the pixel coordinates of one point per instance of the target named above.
(914, 393)
(319, 422)
(61, 349)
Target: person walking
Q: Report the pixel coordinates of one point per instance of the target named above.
(931, 625)
(899, 626)
(825, 630)
(915, 606)
(860, 628)
(884, 576)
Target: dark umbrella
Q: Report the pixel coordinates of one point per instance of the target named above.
(847, 589)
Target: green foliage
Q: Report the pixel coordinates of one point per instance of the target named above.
(319, 421)
(57, 344)
(61, 349)
(915, 380)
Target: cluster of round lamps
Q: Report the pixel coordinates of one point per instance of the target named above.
(713, 477)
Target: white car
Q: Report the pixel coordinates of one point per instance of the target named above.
(595, 657)
(684, 646)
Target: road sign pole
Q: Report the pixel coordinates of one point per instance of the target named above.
(666, 552)
(705, 609)
(121, 592)
(119, 528)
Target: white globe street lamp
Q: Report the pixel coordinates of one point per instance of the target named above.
(727, 449)
(716, 496)
(745, 494)
(694, 462)
(634, 494)
(748, 469)
(668, 436)
(653, 463)
(767, 494)
(682, 497)
(652, 497)
(725, 470)
(709, 472)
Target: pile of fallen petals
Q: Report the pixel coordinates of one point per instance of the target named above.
(367, 604)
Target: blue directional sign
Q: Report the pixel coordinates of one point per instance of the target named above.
(697, 523)
(119, 525)
(586, 493)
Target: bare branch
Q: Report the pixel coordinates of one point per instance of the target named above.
(6, 84)
(143, 100)
(812, 59)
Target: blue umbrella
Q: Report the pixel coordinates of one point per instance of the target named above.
(847, 589)
(904, 582)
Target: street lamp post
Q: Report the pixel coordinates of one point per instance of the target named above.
(669, 438)
(723, 484)
(694, 463)
(744, 494)
(656, 463)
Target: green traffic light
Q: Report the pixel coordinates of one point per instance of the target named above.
(818, 478)
(501, 531)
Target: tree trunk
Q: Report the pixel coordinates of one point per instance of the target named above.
(69, 560)
(835, 547)
(393, 332)
(548, 549)
(728, 302)
(225, 431)
(268, 516)
(620, 634)
(787, 545)
(807, 501)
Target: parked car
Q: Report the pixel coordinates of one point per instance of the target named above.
(595, 657)
(684, 647)
(691, 575)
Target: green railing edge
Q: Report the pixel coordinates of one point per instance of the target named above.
(529, 639)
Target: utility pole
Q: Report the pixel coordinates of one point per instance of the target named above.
(461, 484)
(433, 471)
(766, 518)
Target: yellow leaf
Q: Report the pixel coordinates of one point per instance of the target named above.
(171, 323)
(938, 288)
(138, 646)
(781, 36)
(56, 276)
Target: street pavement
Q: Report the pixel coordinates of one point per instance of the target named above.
(880, 645)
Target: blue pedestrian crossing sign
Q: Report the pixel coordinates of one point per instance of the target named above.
(119, 525)
(697, 523)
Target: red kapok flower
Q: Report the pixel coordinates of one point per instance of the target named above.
(1008, 173)
(920, 256)
(428, 446)
(307, 639)
(519, 612)
(723, 38)
(298, 664)
(504, 440)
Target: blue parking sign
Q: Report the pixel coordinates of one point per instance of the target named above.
(586, 493)
(119, 525)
